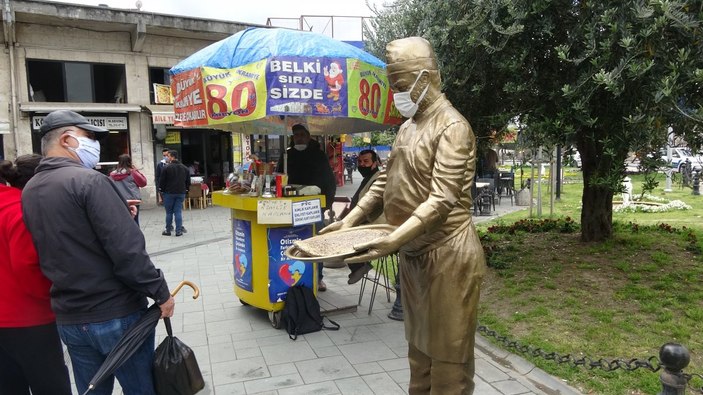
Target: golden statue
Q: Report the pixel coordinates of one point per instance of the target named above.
(426, 191)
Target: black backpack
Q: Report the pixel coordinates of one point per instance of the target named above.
(301, 313)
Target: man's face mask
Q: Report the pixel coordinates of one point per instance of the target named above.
(88, 151)
(405, 105)
(365, 170)
(300, 147)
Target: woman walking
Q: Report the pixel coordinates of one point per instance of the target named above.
(128, 180)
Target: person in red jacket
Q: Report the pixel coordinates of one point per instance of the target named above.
(31, 356)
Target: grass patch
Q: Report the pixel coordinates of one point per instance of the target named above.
(620, 299)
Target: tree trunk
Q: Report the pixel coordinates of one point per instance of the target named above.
(596, 213)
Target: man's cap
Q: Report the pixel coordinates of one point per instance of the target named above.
(62, 118)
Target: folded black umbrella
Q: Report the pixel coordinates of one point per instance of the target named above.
(128, 344)
(132, 339)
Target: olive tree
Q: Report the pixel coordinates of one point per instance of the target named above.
(607, 77)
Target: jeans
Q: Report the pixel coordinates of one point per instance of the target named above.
(173, 203)
(89, 344)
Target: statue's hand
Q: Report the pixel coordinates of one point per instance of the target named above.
(334, 226)
(375, 249)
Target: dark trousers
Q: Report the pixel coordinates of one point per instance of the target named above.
(32, 357)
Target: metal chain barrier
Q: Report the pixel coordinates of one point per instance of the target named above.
(652, 363)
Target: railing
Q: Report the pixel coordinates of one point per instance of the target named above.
(673, 358)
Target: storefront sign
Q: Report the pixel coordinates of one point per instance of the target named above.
(285, 272)
(173, 138)
(307, 212)
(242, 254)
(162, 119)
(273, 211)
(111, 123)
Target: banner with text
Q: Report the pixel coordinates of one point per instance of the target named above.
(242, 254)
(285, 272)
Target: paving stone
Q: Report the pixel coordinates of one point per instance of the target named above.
(368, 368)
(382, 384)
(222, 352)
(287, 352)
(510, 387)
(324, 388)
(327, 351)
(366, 352)
(282, 368)
(401, 376)
(273, 383)
(353, 386)
(394, 364)
(489, 372)
(324, 369)
(240, 370)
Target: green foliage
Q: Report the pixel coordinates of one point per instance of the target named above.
(606, 77)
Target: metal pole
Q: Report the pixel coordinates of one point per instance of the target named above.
(558, 175)
(539, 183)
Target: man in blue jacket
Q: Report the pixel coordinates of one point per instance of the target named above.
(93, 252)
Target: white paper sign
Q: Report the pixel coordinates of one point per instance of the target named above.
(306, 212)
(273, 211)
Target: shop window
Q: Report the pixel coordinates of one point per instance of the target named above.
(56, 81)
(159, 77)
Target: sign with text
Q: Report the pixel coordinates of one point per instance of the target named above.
(285, 272)
(307, 212)
(273, 211)
(242, 254)
(112, 123)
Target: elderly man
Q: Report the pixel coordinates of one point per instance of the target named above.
(93, 253)
(425, 191)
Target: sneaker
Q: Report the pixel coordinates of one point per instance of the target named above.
(183, 229)
(166, 233)
(359, 273)
(321, 286)
(179, 234)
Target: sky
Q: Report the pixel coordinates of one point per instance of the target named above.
(259, 11)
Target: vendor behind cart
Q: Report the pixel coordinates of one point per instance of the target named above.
(308, 165)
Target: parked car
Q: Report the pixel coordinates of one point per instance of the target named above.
(679, 156)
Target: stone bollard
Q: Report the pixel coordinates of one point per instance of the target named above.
(674, 358)
(696, 183)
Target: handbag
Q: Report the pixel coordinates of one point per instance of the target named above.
(176, 370)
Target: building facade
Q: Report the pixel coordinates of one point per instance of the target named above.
(106, 64)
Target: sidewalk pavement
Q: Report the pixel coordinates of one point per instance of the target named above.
(239, 352)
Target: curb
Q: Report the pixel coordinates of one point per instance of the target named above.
(538, 377)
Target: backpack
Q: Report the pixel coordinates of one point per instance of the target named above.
(301, 313)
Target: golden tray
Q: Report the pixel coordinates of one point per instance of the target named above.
(332, 248)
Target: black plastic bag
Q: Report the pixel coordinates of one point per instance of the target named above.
(176, 371)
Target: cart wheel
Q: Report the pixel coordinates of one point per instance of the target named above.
(276, 319)
(243, 302)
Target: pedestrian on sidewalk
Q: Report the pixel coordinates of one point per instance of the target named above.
(157, 174)
(173, 184)
(93, 252)
(31, 355)
(367, 164)
(128, 180)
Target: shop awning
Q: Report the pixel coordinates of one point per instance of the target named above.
(161, 114)
(46, 107)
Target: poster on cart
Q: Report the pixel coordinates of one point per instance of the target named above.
(283, 271)
(242, 254)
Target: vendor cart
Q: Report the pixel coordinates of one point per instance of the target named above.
(262, 230)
